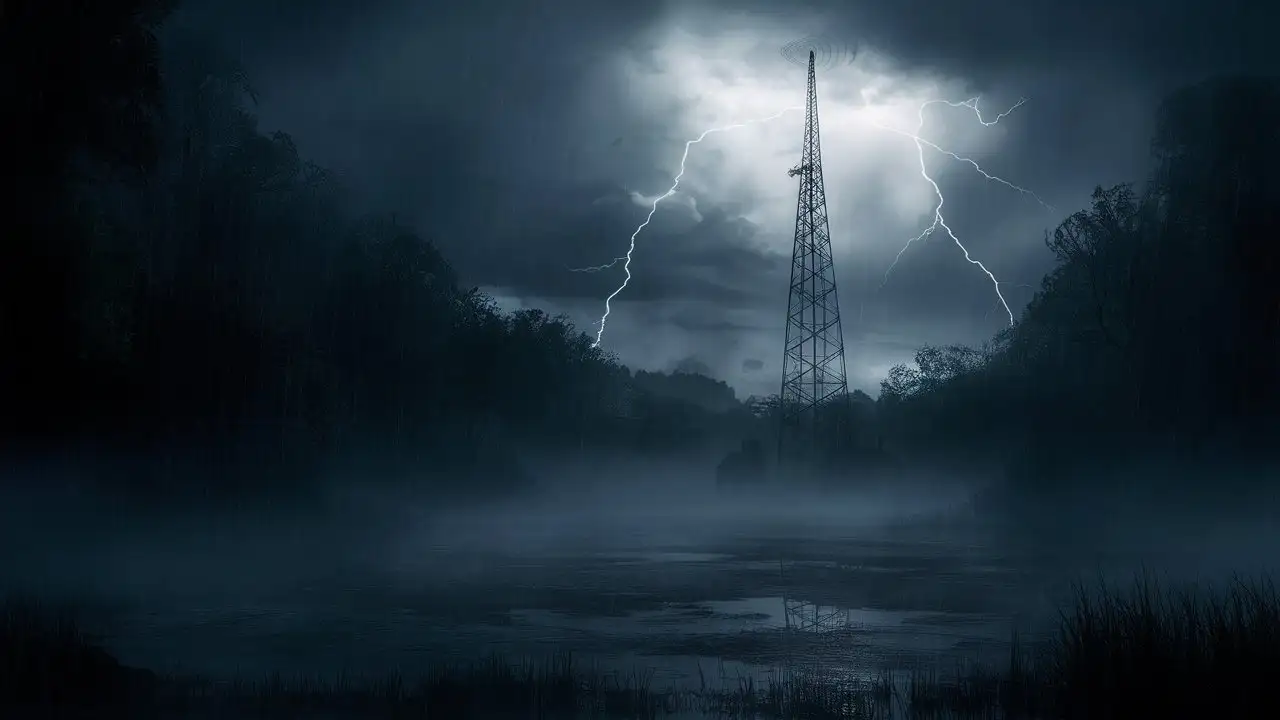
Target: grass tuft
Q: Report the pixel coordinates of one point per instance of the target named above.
(1186, 652)
(47, 660)
(1147, 651)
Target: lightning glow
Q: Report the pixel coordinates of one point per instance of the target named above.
(675, 183)
(598, 268)
(1025, 286)
(939, 221)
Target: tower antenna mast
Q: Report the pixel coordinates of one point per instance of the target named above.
(814, 390)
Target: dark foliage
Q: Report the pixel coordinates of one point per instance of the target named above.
(80, 84)
(47, 661)
(185, 291)
(1146, 652)
(178, 286)
(1156, 332)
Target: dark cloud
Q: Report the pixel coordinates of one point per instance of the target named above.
(704, 318)
(691, 365)
(987, 40)
(714, 258)
(509, 132)
(449, 112)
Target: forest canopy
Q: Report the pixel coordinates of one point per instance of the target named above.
(175, 279)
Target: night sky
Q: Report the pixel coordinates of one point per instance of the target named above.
(526, 138)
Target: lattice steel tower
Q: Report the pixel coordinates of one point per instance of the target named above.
(814, 390)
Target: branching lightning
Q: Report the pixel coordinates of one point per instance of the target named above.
(939, 221)
(675, 183)
(598, 268)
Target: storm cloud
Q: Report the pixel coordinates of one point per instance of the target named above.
(530, 139)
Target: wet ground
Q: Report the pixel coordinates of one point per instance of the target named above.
(686, 613)
(686, 593)
(683, 593)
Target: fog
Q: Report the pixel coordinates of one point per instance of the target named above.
(296, 377)
(70, 539)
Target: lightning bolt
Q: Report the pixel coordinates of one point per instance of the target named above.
(987, 314)
(598, 268)
(675, 183)
(939, 221)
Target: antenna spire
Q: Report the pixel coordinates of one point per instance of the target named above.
(814, 390)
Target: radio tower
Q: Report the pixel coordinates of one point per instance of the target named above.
(814, 390)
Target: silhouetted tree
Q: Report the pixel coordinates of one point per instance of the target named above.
(81, 94)
(1159, 324)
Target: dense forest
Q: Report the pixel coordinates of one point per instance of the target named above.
(179, 286)
(1158, 331)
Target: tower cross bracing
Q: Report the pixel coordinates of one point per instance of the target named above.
(814, 388)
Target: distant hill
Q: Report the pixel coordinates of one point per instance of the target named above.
(692, 388)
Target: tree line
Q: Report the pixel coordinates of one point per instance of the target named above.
(1158, 329)
(179, 283)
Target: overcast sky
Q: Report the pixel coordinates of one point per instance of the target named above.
(530, 137)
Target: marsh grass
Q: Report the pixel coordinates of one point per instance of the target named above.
(491, 688)
(1162, 652)
(46, 658)
(1145, 651)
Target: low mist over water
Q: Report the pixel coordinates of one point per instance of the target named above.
(473, 362)
(669, 576)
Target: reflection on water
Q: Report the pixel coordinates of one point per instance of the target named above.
(670, 611)
(670, 557)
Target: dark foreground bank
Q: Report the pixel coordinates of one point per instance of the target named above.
(1145, 651)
